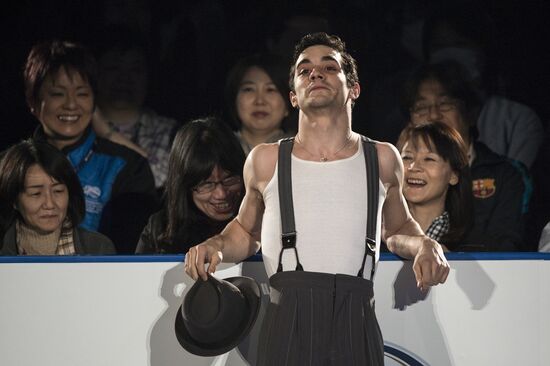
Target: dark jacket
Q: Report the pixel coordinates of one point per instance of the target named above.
(498, 201)
(118, 186)
(149, 242)
(85, 242)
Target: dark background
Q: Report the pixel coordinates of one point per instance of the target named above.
(194, 43)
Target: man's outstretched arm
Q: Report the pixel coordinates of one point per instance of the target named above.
(240, 238)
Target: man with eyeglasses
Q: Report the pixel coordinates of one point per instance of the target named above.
(441, 93)
(329, 203)
(444, 104)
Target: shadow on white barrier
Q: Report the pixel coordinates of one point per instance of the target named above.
(94, 311)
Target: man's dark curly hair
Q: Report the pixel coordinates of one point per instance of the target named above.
(349, 65)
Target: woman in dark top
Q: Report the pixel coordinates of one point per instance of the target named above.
(437, 182)
(204, 188)
(42, 204)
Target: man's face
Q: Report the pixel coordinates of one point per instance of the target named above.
(65, 107)
(122, 80)
(319, 80)
(433, 104)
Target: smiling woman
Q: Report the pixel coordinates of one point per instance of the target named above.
(204, 188)
(42, 205)
(59, 83)
(66, 106)
(437, 182)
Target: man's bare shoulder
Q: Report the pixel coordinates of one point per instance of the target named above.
(261, 163)
(386, 150)
(389, 162)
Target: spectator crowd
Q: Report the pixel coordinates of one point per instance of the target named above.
(134, 132)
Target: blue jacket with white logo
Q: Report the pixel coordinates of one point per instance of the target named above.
(118, 186)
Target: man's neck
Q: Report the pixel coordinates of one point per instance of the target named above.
(121, 116)
(325, 137)
(324, 129)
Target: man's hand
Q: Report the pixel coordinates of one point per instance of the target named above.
(199, 255)
(430, 265)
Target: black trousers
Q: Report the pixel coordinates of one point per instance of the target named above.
(320, 319)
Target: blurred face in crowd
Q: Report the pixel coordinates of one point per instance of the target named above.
(319, 80)
(260, 105)
(65, 106)
(122, 80)
(218, 197)
(427, 174)
(434, 104)
(43, 202)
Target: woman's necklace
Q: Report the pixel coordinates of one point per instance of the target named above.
(325, 158)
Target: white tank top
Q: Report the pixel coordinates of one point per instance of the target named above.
(330, 209)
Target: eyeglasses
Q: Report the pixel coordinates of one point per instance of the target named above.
(444, 105)
(208, 186)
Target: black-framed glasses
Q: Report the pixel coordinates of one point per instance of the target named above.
(209, 186)
(443, 105)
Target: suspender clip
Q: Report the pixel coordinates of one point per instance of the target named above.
(371, 246)
(289, 240)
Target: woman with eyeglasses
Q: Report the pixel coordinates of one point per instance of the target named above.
(442, 93)
(204, 188)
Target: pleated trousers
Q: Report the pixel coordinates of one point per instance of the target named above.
(320, 319)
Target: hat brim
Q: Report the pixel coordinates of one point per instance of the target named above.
(250, 289)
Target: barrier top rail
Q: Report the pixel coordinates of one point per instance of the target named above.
(459, 256)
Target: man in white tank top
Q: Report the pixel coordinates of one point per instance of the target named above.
(327, 185)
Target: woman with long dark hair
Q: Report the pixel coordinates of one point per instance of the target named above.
(204, 188)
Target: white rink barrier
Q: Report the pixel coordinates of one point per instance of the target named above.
(120, 310)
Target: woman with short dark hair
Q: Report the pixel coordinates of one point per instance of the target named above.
(204, 188)
(42, 204)
(437, 181)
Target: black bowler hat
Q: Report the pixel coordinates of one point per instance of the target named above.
(216, 315)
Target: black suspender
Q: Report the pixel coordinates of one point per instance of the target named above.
(371, 161)
(288, 227)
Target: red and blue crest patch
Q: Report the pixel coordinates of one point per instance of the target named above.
(483, 188)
